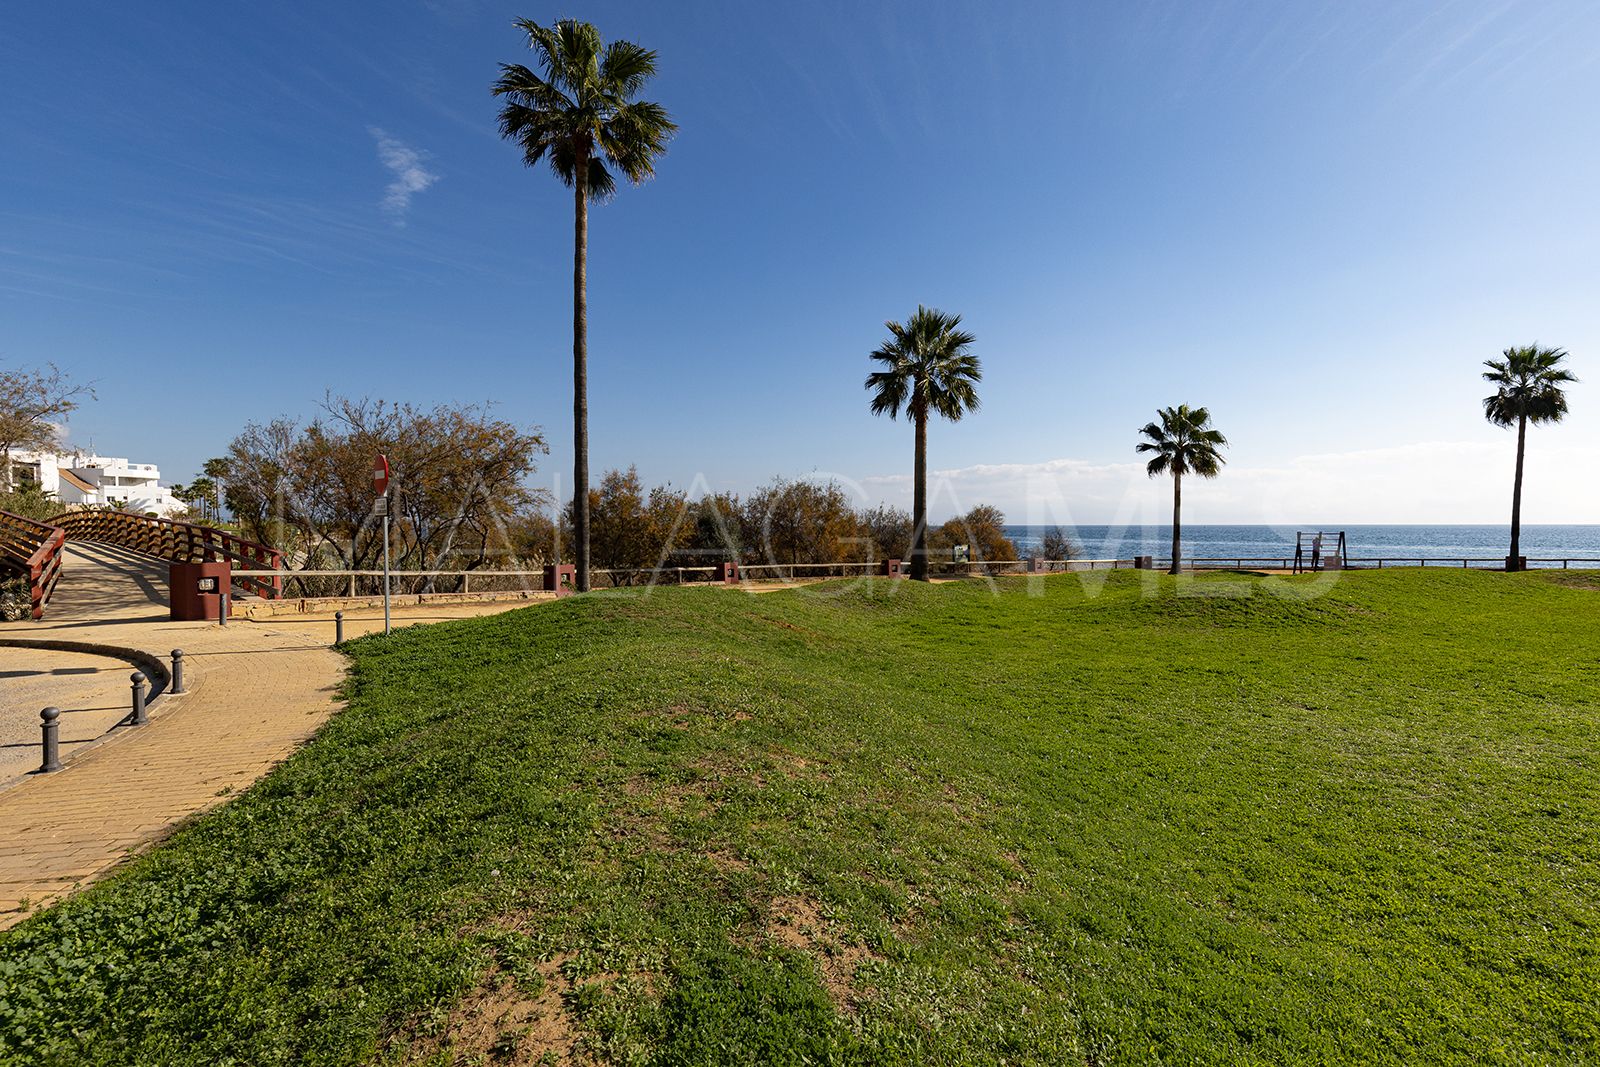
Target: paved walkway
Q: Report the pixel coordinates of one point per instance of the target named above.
(256, 692)
(91, 691)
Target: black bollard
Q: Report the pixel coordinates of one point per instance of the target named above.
(222, 611)
(52, 739)
(338, 628)
(139, 718)
(177, 671)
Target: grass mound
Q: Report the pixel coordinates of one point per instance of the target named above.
(1103, 818)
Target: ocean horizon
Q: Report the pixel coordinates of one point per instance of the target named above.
(1365, 540)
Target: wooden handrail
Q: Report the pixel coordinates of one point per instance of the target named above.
(32, 548)
(178, 542)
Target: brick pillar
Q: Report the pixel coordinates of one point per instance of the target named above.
(562, 579)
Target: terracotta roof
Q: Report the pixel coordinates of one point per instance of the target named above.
(77, 481)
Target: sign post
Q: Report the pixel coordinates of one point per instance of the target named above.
(380, 486)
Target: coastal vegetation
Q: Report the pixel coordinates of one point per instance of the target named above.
(204, 494)
(34, 404)
(1528, 383)
(1118, 818)
(786, 521)
(31, 501)
(928, 369)
(1182, 442)
(460, 496)
(581, 115)
(461, 501)
(1056, 544)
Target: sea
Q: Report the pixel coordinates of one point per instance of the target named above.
(1268, 542)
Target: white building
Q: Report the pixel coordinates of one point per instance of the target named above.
(78, 479)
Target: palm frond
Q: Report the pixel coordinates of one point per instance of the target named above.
(626, 67)
(888, 392)
(601, 184)
(562, 153)
(1205, 463)
(577, 48)
(1528, 384)
(634, 136)
(1183, 441)
(528, 89)
(581, 110)
(1156, 434)
(930, 367)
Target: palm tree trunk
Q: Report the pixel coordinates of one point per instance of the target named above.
(919, 501)
(1177, 521)
(1514, 562)
(580, 373)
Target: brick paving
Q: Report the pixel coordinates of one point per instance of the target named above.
(256, 691)
(91, 690)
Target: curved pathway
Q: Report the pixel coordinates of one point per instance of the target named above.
(90, 689)
(256, 691)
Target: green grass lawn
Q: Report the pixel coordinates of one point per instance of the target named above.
(1119, 822)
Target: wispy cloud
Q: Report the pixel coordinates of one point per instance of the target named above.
(410, 176)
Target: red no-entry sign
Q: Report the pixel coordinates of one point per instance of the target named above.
(380, 475)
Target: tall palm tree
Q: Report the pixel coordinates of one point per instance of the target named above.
(580, 116)
(1528, 383)
(927, 370)
(1184, 442)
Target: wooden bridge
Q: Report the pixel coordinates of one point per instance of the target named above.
(40, 554)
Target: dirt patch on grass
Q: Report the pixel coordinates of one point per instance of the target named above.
(687, 717)
(706, 779)
(510, 1020)
(793, 763)
(728, 861)
(785, 624)
(797, 922)
(653, 802)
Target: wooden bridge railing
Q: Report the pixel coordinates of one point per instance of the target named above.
(179, 542)
(33, 550)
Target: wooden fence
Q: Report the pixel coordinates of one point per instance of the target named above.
(179, 542)
(314, 584)
(32, 550)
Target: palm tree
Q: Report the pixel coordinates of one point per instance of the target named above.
(928, 370)
(580, 116)
(1528, 384)
(1184, 442)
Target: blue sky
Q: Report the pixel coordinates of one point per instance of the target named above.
(1317, 219)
